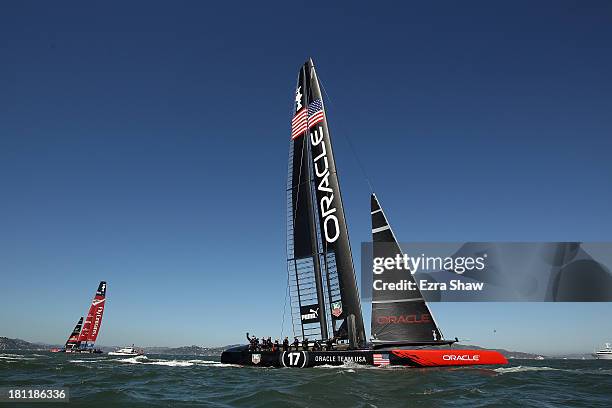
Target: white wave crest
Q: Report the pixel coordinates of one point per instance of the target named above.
(9, 355)
(204, 362)
(89, 360)
(351, 366)
(147, 361)
(15, 357)
(520, 369)
(172, 363)
(133, 360)
(211, 363)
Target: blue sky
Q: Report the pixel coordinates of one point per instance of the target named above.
(147, 145)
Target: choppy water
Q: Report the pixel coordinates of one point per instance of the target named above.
(169, 381)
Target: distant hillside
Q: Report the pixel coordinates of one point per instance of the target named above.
(18, 344)
(506, 353)
(187, 350)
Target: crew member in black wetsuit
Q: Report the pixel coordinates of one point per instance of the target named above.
(329, 343)
(251, 342)
(276, 346)
(286, 344)
(305, 344)
(296, 343)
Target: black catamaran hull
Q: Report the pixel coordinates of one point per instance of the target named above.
(78, 351)
(397, 357)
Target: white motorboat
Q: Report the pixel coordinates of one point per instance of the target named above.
(127, 351)
(605, 353)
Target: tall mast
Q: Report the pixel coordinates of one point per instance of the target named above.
(316, 225)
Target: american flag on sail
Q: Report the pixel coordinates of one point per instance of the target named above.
(381, 359)
(307, 118)
(299, 123)
(315, 112)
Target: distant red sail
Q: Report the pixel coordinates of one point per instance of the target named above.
(91, 327)
(72, 341)
(96, 311)
(84, 334)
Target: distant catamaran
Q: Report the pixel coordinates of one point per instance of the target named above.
(84, 335)
(324, 295)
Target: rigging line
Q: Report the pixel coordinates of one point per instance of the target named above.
(307, 183)
(294, 213)
(287, 288)
(353, 151)
(285, 307)
(359, 162)
(297, 202)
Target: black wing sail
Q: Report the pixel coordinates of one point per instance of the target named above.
(303, 264)
(324, 290)
(72, 341)
(398, 317)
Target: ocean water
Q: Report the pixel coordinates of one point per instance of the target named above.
(185, 381)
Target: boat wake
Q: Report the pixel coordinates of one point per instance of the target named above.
(172, 363)
(522, 369)
(9, 356)
(88, 360)
(350, 367)
(211, 363)
(14, 357)
(146, 360)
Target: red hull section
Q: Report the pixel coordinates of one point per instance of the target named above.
(441, 358)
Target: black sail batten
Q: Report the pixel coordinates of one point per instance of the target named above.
(320, 262)
(72, 341)
(398, 317)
